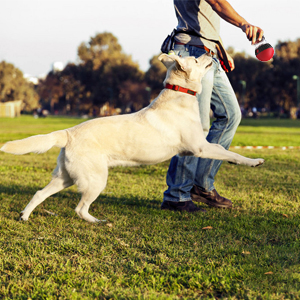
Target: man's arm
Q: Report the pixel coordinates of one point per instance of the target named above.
(227, 13)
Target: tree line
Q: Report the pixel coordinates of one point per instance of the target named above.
(105, 80)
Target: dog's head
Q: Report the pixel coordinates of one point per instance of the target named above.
(186, 71)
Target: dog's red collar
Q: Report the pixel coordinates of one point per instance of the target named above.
(180, 89)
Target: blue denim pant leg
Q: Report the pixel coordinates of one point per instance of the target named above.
(218, 95)
(228, 116)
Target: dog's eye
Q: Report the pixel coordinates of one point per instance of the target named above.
(196, 61)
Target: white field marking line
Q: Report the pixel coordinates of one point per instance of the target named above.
(265, 147)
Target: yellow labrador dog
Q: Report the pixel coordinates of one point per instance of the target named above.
(169, 125)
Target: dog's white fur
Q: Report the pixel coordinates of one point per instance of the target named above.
(168, 126)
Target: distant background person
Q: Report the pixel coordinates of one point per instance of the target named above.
(198, 32)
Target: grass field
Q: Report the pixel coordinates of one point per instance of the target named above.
(251, 251)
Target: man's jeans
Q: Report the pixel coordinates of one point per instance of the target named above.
(218, 95)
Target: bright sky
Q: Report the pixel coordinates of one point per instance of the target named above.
(36, 33)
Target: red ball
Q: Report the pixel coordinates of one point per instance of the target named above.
(264, 52)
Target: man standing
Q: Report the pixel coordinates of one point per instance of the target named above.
(189, 178)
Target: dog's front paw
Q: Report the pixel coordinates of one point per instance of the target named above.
(258, 162)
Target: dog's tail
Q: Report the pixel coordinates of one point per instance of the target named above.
(37, 143)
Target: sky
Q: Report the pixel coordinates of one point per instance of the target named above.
(36, 33)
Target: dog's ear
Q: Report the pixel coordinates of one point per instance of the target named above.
(168, 60)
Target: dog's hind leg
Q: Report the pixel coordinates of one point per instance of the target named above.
(56, 184)
(60, 181)
(91, 186)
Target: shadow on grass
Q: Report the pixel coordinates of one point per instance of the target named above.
(14, 189)
(69, 198)
(22, 194)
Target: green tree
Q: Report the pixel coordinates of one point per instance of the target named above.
(288, 50)
(134, 95)
(73, 89)
(104, 73)
(247, 69)
(50, 91)
(155, 75)
(105, 68)
(13, 86)
(63, 91)
(268, 84)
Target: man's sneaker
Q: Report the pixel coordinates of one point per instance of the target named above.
(188, 206)
(210, 198)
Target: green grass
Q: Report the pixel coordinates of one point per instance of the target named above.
(268, 132)
(143, 252)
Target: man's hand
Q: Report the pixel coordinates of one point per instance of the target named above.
(253, 33)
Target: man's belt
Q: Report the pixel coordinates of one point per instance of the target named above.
(198, 46)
